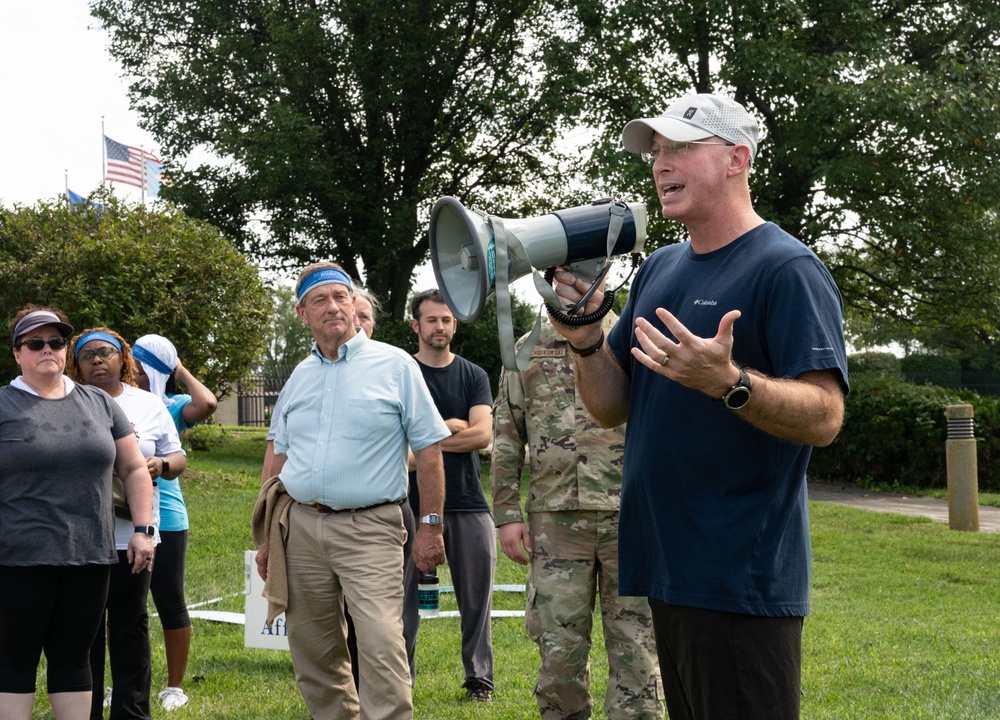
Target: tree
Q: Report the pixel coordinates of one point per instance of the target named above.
(477, 342)
(137, 271)
(882, 136)
(342, 120)
(339, 122)
(290, 340)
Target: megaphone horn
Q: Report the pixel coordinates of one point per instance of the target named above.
(463, 246)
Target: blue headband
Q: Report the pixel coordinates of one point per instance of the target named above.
(324, 276)
(95, 335)
(146, 357)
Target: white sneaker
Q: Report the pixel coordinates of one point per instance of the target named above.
(107, 697)
(173, 698)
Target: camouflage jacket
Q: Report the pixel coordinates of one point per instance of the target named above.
(575, 464)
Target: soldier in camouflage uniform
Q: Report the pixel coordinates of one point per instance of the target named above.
(572, 537)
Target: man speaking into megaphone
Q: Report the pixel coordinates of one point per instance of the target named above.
(729, 364)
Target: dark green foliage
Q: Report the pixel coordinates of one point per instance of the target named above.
(934, 369)
(205, 437)
(881, 145)
(929, 363)
(290, 340)
(137, 271)
(477, 342)
(341, 122)
(986, 424)
(883, 363)
(895, 431)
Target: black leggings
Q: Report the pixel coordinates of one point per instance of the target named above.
(55, 609)
(167, 584)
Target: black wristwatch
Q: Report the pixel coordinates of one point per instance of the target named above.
(166, 467)
(739, 394)
(147, 529)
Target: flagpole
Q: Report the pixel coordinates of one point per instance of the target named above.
(104, 158)
(142, 155)
(69, 203)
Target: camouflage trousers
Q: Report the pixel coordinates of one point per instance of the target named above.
(575, 554)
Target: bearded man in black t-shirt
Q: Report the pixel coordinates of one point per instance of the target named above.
(461, 392)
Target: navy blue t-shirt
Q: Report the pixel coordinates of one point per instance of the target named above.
(456, 388)
(714, 512)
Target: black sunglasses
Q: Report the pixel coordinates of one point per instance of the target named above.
(36, 344)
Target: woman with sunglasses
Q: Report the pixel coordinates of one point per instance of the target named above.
(59, 444)
(101, 358)
(158, 370)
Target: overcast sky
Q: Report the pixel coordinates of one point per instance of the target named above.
(57, 81)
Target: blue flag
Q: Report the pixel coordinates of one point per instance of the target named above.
(75, 199)
(153, 171)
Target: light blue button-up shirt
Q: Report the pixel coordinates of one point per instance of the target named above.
(346, 424)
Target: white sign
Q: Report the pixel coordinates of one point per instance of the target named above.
(256, 633)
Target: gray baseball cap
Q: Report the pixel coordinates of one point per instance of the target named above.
(695, 117)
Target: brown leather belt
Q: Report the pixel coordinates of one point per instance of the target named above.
(327, 509)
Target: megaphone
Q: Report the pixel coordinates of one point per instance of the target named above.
(463, 245)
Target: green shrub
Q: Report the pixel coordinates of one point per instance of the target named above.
(923, 368)
(928, 363)
(986, 425)
(893, 435)
(895, 431)
(876, 362)
(205, 436)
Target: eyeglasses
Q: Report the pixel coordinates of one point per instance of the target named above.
(36, 344)
(673, 150)
(104, 353)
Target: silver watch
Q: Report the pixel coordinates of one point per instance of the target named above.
(432, 519)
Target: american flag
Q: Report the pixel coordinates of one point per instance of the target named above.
(126, 164)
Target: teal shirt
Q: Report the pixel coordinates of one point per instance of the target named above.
(173, 511)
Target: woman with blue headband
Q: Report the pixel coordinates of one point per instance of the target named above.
(102, 358)
(60, 442)
(159, 369)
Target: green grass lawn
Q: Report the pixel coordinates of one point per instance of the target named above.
(904, 622)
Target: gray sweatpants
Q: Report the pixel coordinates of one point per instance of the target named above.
(471, 549)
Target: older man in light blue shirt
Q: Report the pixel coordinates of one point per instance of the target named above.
(352, 409)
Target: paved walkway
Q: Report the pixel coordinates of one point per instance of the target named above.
(934, 508)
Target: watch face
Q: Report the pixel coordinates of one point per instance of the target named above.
(737, 397)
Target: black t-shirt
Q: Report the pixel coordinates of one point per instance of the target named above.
(456, 389)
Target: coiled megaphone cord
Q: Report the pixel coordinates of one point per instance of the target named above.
(560, 315)
(563, 318)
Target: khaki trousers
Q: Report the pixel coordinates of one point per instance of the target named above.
(357, 556)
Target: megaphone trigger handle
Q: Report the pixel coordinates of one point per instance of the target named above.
(562, 316)
(582, 302)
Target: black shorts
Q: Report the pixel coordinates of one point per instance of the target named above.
(55, 609)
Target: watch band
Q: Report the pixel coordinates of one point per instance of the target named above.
(166, 466)
(145, 529)
(432, 519)
(739, 394)
(587, 352)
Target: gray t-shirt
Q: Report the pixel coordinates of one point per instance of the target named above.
(56, 461)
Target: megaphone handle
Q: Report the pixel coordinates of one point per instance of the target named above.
(582, 302)
(561, 317)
